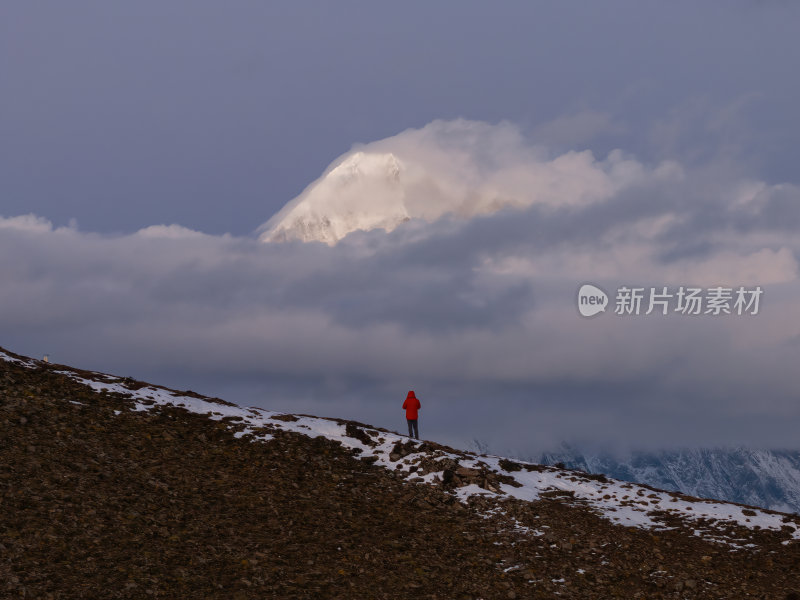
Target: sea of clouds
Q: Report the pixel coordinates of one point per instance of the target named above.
(471, 302)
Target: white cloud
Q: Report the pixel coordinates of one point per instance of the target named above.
(30, 223)
(168, 231)
(462, 168)
(474, 304)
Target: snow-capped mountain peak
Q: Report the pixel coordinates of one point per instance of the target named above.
(363, 191)
(461, 168)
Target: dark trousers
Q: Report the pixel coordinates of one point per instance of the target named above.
(413, 429)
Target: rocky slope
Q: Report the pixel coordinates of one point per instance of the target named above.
(118, 489)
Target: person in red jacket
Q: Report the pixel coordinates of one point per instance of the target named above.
(411, 406)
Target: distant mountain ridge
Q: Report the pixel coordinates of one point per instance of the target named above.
(768, 478)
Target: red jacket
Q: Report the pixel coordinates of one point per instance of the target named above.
(411, 405)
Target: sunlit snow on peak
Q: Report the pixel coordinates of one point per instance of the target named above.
(363, 191)
(360, 165)
(462, 168)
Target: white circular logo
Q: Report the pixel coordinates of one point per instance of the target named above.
(591, 300)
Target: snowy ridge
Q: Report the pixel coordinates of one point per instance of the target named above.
(423, 462)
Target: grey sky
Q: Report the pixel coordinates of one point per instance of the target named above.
(212, 116)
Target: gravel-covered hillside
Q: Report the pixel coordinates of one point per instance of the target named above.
(115, 488)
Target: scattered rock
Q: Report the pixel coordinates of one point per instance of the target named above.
(359, 434)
